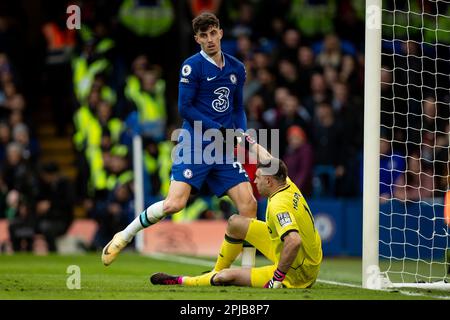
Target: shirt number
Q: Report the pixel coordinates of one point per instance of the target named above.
(241, 170)
(221, 103)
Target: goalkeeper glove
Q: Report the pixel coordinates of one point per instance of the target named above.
(241, 138)
(276, 281)
(245, 140)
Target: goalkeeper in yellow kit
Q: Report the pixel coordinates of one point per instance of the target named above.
(288, 238)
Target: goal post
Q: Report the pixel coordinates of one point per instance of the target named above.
(406, 144)
(371, 160)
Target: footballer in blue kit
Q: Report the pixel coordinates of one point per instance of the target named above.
(210, 97)
(213, 96)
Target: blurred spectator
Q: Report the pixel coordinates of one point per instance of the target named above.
(5, 138)
(331, 76)
(113, 215)
(288, 76)
(157, 165)
(268, 85)
(351, 115)
(313, 18)
(387, 102)
(148, 24)
(244, 47)
(82, 118)
(252, 85)
(244, 23)
(442, 163)
(348, 73)
(29, 145)
(271, 115)
(327, 142)
(307, 66)
(299, 159)
(16, 172)
(21, 221)
(423, 117)
(292, 113)
(319, 93)
(255, 109)
(288, 48)
(15, 117)
(54, 204)
(350, 20)
(102, 121)
(392, 165)
(261, 60)
(417, 182)
(150, 102)
(3, 196)
(199, 6)
(147, 18)
(60, 43)
(330, 54)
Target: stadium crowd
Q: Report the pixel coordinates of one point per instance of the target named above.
(305, 70)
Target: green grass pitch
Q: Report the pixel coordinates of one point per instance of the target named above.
(25, 276)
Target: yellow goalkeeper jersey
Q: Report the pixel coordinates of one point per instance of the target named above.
(288, 211)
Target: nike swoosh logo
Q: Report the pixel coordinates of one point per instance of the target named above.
(106, 252)
(209, 79)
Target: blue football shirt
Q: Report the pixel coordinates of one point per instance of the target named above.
(211, 94)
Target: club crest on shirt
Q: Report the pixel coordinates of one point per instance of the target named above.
(284, 219)
(186, 70)
(187, 173)
(233, 78)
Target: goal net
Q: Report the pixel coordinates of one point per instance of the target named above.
(414, 121)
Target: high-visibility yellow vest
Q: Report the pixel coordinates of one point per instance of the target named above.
(165, 165)
(437, 30)
(147, 20)
(150, 107)
(94, 137)
(161, 166)
(402, 22)
(313, 20)
(132, 85)
(113, 180)
(83, 75)
(81, 119)
(360, 9)
(119, 150)
(104, 45)
(98, 175)
(108, 94)
(191, 212)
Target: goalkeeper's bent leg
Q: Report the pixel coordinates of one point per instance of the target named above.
(199, 281)
(229, 251)
(248, 255)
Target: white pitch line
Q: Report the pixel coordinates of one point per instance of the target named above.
(192, 261)
(339, 283)
(207, 263)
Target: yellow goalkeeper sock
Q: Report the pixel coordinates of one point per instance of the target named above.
(199, 281)
(229, 251)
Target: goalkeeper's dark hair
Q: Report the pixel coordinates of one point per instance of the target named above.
(281, 172)
(203, 21)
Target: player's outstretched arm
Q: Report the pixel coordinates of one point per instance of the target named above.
(256, 149)
(292, 242)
